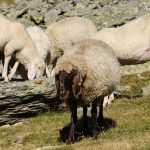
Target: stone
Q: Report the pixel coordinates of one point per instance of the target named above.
(23, 99)
(52, 16)
(17, 124)
(19, 14)
(37, 18)
(146, 91)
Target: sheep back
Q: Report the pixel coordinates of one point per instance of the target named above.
(40, 40)
(68, 31)
(98, 67)
(129, 41)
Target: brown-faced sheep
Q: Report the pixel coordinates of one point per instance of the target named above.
(84, 74)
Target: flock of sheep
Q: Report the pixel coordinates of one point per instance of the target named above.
(86, 62)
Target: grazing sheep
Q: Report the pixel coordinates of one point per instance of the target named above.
(68, 31)
(15, 41)
(130, 42)
(86, 73)
(42, 44)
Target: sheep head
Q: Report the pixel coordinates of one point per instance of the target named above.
(68, 84)
(36, 70)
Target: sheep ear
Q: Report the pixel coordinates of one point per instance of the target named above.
(76, 84)
(57, 85)
(32, 72)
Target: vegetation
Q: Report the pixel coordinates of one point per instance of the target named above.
(6, 1)
(136, 82)
(126, 127)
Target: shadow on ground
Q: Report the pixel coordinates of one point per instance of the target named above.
(13, 79)
(106, 125)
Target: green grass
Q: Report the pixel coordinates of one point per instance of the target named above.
(135, 82)
(130, 130)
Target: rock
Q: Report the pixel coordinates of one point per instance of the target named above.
(104, 2)
(17, 124)
(37, 18)
(146, 91)
(124, 88)
(64, 6)
(17, 142)
(23, 99)
(19, 14)
(5, 126)
(52, 16)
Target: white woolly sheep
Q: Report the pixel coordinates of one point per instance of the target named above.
(86, 73)
(42, 44)
(130, 42)
(68, 31)
(14, 40)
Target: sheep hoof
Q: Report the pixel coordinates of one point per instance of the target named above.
(9, 77)
(6, 80)
(95, 134)
(86, 133)
(3, 76)
(69, 141)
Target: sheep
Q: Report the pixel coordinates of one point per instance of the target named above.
(15, 41)
(108, 99)
(130, 42)
(84, 74)
(43, 46)
(66, 32)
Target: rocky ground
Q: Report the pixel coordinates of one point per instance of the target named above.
(104, 13)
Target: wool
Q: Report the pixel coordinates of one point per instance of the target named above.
(67, 32)
(15, 41)
(130, 41)
(98, 66)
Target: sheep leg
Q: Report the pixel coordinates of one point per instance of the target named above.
(73, 108)
(106, 99)
(85, 122)
(8, 51)
(100, 117)
(5, 69)
(94, 120)
(13, 70)
(111, 98)
(47, 72)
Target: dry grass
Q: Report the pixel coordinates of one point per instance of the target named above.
(127, 127)
(7, 1)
